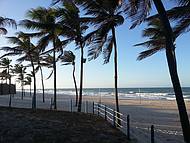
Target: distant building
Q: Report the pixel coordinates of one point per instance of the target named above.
(6, 89)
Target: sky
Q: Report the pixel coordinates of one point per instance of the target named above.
(151, 72)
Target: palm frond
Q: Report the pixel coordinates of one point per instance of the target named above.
(108, 50)
(44, 41)
(50, 75)
(3, 31)
(183, 26)
(68, 57)
(7, 22)
(137, 10)
(149, 53)
(10, 54)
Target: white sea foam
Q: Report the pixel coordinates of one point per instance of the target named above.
(130, 94)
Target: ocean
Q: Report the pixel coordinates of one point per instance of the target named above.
(126, 93)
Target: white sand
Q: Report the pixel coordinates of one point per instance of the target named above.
(160, 113)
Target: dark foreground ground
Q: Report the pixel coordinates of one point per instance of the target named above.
(43, 126)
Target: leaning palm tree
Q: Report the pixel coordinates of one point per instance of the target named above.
(106, 16)
(25, 49)
(6, 21)
(45, 21)
(69, 59)
(39, 68)
(138, 10)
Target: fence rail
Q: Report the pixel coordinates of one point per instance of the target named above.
(117, 119)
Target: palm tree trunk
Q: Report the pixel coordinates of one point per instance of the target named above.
(10, 97)
(171, 59)
(30, 90)
(76, 101)
(22, 90)
(54, 70)
(34, 95)
(116, 73)
(81, 77)
(42, 79)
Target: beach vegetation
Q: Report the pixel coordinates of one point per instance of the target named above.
(69, 59)
(25, 50)
(48, 30)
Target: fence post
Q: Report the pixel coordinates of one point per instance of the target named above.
(98, 109)
(10, 100)
(51, 103)
(128, 127)
(105, 112)
(93, 107)
(71, 106)
(152, 134)
(114, 118)
(86, 106)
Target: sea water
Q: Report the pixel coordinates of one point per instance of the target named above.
(125, 93)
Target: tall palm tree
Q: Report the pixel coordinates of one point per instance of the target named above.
(25, 48)
(45, 21)
(39, 68)
(139, 10)
(106, 16)
(69, 59)
(74, 30)
(6, 21)
(39, 64)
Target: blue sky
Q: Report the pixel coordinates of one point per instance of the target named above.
(151, 72)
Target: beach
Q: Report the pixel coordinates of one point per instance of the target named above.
(163, 114)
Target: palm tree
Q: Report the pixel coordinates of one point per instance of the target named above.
(4, 75)
(69, 59)
(20, 70)
(75, 28)
(39, 68)
(39, 64)
(45, 21)
(28, 81)
(26, 49)
(6, 63)
(6, 21)
(139, 11)
(107, 15)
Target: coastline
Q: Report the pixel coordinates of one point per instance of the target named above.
(163, 114)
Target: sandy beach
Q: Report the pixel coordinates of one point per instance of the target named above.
(163, 114)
